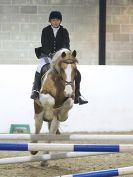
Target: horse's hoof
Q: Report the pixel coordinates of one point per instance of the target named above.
(44, 163)
(33, 152)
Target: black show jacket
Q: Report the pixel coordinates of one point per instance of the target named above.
(51, 44)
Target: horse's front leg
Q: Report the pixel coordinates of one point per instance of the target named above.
(63, 114)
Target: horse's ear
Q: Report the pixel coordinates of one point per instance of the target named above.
(74, 53)
(63, 54)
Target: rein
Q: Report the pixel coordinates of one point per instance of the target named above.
(67, 83)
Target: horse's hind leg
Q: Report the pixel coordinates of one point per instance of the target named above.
(38, 125)
(58, 132)
(38, 122)
(53, 129)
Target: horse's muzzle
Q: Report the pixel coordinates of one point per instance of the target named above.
(68, 92)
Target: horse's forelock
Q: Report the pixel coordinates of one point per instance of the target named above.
(61, 55)
(71, 56)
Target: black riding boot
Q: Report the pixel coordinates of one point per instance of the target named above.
(78, 98)
(36, 86)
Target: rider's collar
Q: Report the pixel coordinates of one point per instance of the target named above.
(55, 27)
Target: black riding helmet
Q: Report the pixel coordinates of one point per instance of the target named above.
(55, 14)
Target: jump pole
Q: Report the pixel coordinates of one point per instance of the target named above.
(72, 137)
(45, 157)
(66, 147)
(104, 173)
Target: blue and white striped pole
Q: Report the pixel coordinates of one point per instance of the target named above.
(104, 173)
(66, 147)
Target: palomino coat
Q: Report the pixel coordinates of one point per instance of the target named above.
(51, 44)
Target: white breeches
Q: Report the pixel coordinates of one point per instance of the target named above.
(43, 61)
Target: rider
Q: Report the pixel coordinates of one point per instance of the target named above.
(54, 37)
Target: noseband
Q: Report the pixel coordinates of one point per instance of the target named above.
(67, 83)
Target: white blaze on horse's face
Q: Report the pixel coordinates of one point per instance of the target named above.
(68, 87)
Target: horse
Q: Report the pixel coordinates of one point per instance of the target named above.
(56, 97)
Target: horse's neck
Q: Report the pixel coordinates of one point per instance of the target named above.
(53, 79)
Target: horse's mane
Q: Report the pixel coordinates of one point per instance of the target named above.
(57, 57)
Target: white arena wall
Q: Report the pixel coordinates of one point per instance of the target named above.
(109, 90)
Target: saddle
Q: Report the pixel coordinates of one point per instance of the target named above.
(38, 52)
(44, 69)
